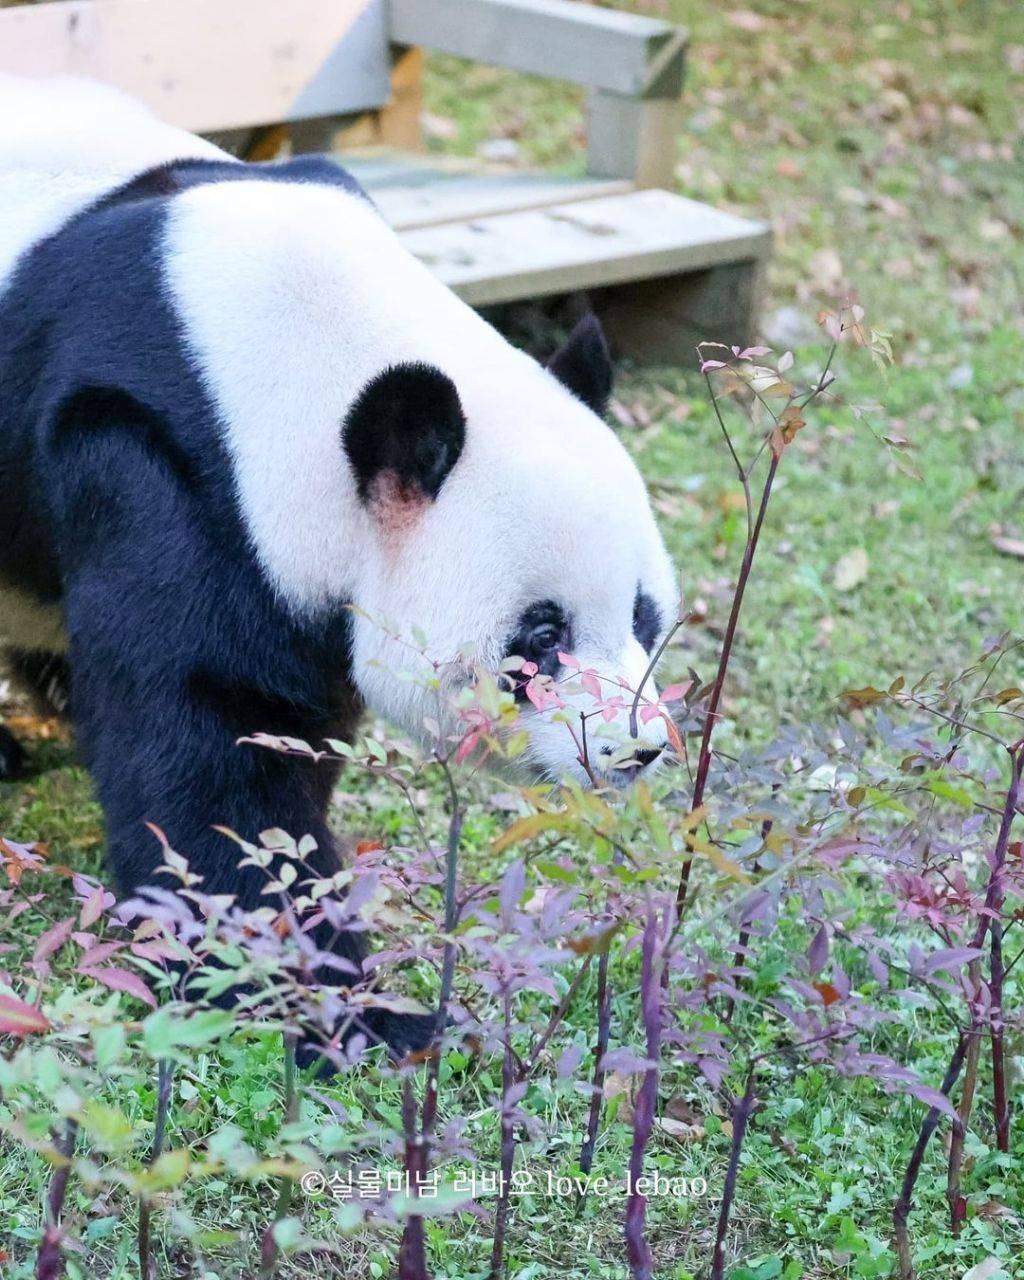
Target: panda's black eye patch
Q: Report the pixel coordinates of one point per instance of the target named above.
(646, 619)
(542, 632)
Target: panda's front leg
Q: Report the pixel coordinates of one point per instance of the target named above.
(176, 650)
(162, 747)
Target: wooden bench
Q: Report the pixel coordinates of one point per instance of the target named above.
(663, 271)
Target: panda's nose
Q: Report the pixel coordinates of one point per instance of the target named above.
(645, 756)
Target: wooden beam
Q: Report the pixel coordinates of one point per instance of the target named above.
(587, 245)
(624, 53)
(212, 64)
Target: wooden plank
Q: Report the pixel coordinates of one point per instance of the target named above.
(418, 196)
(212, 64)
(569, 247)
(606, 49)
(635, 138)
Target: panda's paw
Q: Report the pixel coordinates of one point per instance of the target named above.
(403, 1034)
(12, 757)
(406, 1033)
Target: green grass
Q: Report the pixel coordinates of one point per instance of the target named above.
(887, 134)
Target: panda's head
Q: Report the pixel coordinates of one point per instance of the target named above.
(504, 517)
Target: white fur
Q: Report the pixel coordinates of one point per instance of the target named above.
(65, 143)
(292, 297)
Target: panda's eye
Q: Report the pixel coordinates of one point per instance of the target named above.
(542, 631)
(546, 640)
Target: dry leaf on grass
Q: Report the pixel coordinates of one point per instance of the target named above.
(851, 570)
(619, 1085)
(1009, 546)
(746, 20)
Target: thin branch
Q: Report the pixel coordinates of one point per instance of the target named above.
(740, 1117)
(50, 1258)
(903, 1206)
(711, 715)
(164, 1079)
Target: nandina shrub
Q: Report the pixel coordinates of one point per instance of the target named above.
(613, 950)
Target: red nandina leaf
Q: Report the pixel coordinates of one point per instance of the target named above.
(53, 939)
(92, 908)
(122, 980)
(20, 1019)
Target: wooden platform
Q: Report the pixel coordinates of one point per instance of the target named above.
(665, 272)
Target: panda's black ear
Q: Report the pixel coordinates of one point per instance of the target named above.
(584, 364)
(404, 433)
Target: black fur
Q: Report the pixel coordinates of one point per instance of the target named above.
(119, 502)
(12, 757)
(407, 422)
(584, 365)
(540, 620)
(647, 621)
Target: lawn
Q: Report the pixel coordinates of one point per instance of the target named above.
(884, 143)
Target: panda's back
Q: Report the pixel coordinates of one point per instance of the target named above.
(68, 143)
(244, 306)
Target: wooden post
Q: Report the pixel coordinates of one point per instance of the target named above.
(399, 120)
(634, 138)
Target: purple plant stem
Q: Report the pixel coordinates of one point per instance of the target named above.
(638, 1251)
(604, 1024)
(711, 715)
(994, 899)
(508, 1147)
(164, 1077)
(269, 1251)
(903, 1206)
(741, 1111)
(50, 1258)
(743, 940)
(412, 1252)
(989, 913)
(999, 1096)
(954, 1197)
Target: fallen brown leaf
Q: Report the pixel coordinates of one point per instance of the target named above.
(1009, 546)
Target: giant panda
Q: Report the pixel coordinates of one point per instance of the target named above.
(232, 406)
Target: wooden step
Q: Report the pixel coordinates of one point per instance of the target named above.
(664, 271)
(424, 192)
(586, 244)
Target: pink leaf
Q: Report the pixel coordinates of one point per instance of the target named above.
(122, 980)
(465, 747)
(96, 954)
(53, 939)
(932, 1098)
(156, 950)
(567, 660)
(592, 684)
(92, 908)
(676, 691)
(536, 693)
(817, 952)
(20, 1019)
